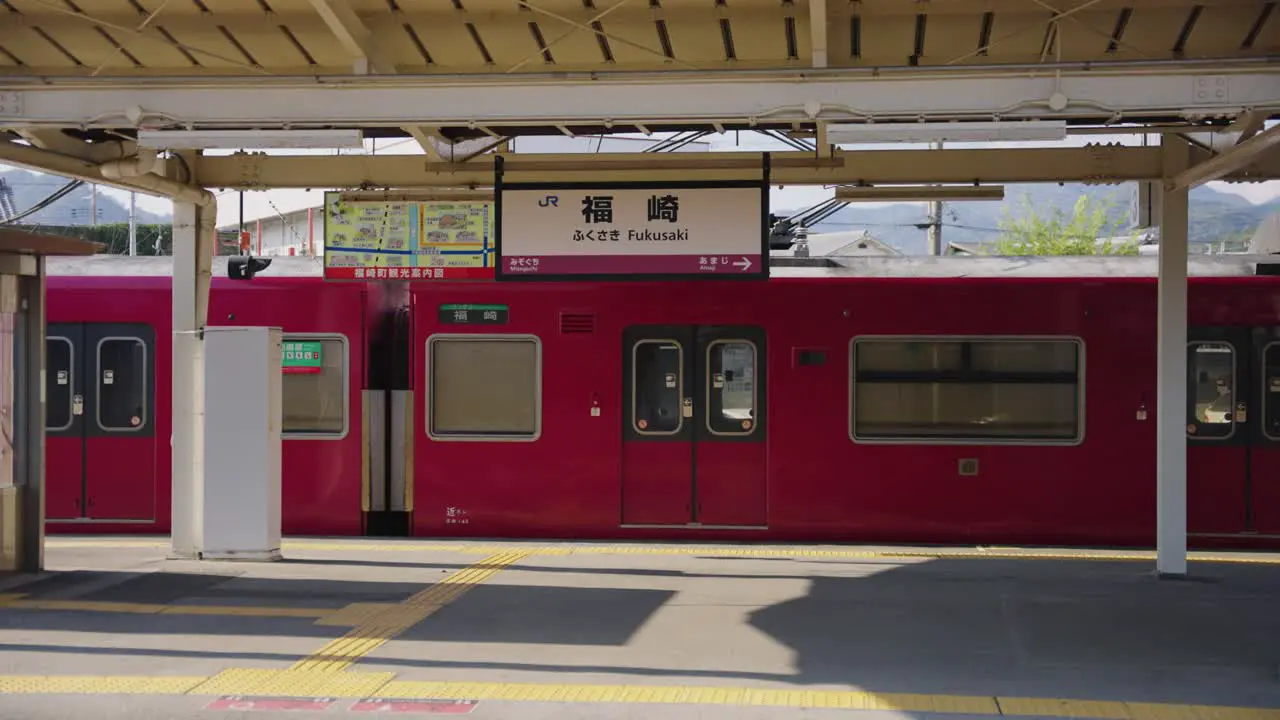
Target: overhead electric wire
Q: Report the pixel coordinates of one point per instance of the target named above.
(52, 198)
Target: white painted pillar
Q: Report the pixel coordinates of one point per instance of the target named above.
(193, 238)
(1171, 368)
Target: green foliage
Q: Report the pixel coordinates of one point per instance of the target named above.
(1033, 232)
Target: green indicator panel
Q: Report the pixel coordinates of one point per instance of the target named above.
(301, 357)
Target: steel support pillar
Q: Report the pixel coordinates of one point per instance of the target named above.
(29, 391)
(1171, 366)
(193, 243)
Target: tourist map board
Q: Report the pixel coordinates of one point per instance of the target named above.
(407, 240)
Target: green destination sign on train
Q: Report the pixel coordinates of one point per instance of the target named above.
(301, 357)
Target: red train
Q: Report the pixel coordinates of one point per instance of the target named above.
(934, 400)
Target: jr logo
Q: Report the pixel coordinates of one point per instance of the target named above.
(549, 201)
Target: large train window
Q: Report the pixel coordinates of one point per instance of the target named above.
(314, 394)
(484, 387)
(979, 390)
(60, 369)
(1271, 391)
(657, 385)
(1211, 367)
(731, 387)
(122, 384)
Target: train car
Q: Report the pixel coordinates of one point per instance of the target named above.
(949, 400)
(957, 400)
(108, 390)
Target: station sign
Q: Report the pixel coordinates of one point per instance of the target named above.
(473, 314)
(632, 230)
(405, 239)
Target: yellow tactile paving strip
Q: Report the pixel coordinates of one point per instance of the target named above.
(300, 684)
(379, 627)
(327, 673)
(761, 551)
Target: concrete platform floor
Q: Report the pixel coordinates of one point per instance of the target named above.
(504, 630)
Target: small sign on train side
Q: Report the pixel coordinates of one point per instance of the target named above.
(632, 230)
(456, 314)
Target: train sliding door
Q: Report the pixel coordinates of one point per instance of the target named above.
(1233, 431)
(693, 450)
(100, 422)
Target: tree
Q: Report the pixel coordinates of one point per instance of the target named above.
(1032, 233)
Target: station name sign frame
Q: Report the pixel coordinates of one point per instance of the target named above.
(676, 230)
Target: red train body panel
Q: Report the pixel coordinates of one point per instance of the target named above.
(634, 437)
(128, 478)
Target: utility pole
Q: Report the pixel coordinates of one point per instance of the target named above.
(935, 220)
(93, 204)
(133, 224)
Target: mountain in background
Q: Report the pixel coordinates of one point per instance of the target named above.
(30, 188)
(1214, 215)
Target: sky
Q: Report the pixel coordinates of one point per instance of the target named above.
(259, 204)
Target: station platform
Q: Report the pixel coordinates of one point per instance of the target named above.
(341, 628)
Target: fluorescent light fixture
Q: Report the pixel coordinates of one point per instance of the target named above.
(248, 139)
(854, 133)
(909, 193)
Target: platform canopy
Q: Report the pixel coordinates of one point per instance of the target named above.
(444, 70)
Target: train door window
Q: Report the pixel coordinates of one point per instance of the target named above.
(962, 390)
(60, 369)
(731, 387)
(122, 384)
(658, 386)
(1271, 391)
(1211, 367)
(484, 387)
(314, 393)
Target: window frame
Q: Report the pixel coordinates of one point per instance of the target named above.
(755, 391)
(428, 405)
(1081, 384)
(1235, 393)
(346, 386)
(1263, 391)
(71, 384)
(147, 412)
(681, 386)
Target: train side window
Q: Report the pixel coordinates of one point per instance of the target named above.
(484, 387)
(60, 369)
(1271, 391)
(1211, 368)
(967, 390)
(122, 384)
(731, 387)
(657, 385)
(314, 396)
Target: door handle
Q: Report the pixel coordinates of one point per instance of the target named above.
(1242, 412)
(77, 404)
(686, 407)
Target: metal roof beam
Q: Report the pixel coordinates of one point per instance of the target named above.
(830, 95)
(59, 142)
(47, 161)
(818, 32)
(355, 37)
(1224, 163)
(1099, 164)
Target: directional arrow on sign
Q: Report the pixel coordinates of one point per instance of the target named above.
(744, 263)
